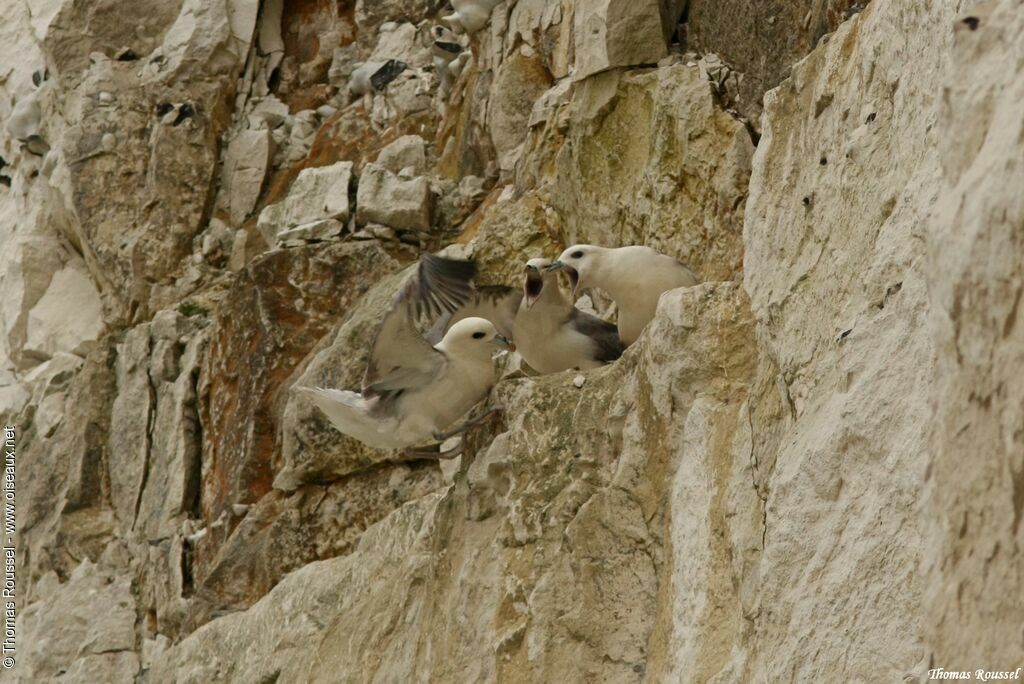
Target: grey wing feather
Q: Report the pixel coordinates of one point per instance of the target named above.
(496, 303)
(400, 357)
(439, 286)
(605, 335)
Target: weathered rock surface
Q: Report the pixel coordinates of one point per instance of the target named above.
(551, 557)
(973, 593)
(81, 630)
(406, 152)
(519, 81)
(763, 40)
(649, 158)
(389, 199)
(280, 307)
(140, 198)
(808, 467)
(617, 33)
(317, 201)
(837, 283)
(246, 161)
(68, 317)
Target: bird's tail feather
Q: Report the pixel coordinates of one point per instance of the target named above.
(334, 396)
(349, 412)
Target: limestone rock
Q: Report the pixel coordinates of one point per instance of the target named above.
(315, 231)
(972, 493)
(763, 41)
(246, 162)
(616, 33)
(559, 533)
(371, 15)
(154, 458)
(136, 240)
(312, 449)
(129, 421)
(465, 147)
(75, 32)
(408, 151)
(216, 36)
(651, 160)
(83, 629)
(280, 306)
(64, 516)
(519, 82)
(13, 397)
(269, 33)
(68, 317)
(317, 201)
(807, 468)
(401, 41)
(31, 258)
(283, 532)
(269, 112)
(385, 198)
(838, 286)
(550, 102)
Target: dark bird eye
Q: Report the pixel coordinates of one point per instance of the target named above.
(578, 254)
(478, 336)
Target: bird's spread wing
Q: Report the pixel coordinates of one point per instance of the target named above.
(604, 334)
(400, 358)
(496, 303)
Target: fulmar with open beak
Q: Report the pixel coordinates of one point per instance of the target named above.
(634, 277)
(551, 334)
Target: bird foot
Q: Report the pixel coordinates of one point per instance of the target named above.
(476, 420)
(433, 452)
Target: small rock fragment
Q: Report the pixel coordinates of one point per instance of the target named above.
(37, 145)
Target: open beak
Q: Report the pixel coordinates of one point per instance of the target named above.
(533, 285)
(503, 342)
(574, 275)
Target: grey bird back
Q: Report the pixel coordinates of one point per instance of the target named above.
(604, 334)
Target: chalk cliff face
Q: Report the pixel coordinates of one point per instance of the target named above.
(810, 467)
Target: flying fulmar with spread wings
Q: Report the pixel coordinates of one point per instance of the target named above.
(412, 389)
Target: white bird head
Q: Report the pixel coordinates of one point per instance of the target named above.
(580, 263)
(473, 336)
(536, 277)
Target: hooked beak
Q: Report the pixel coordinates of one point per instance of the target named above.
(503, 342)
(574, 275)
